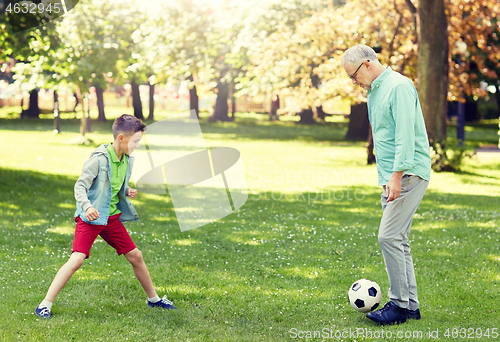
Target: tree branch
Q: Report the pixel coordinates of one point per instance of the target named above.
(396, 31)
(411, 7)
(414, 13)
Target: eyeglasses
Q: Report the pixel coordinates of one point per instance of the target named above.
(353, 76)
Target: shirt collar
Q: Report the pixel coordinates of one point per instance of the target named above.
(112, 154)
(378, 81)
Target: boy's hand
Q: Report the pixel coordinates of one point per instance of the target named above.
(92, 214)
(131, 193)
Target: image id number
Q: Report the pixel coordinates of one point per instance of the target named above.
(29, 7)
(471, 333)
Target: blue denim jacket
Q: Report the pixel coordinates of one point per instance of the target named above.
(93, 189)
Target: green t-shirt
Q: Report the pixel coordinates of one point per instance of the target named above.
(118, 173)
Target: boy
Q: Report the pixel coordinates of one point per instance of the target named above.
(102, 206)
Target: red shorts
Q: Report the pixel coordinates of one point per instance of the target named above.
(114, 233)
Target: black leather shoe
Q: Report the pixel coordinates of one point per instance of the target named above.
(389, 314)
(414, 314)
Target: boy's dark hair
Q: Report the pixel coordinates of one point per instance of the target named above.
(127, 123)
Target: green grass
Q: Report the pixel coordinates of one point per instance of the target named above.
(285, 260)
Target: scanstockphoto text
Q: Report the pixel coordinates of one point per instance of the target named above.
(348, 194)
(311, 176)
(331, 333)
(437, 333)
(308, 185)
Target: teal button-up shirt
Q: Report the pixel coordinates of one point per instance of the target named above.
(398, 127)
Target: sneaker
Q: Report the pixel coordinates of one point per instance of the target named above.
(43, 312)
(163, 303)
(414, 314)
(389, 314)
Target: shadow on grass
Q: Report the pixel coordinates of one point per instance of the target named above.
(47, 125)
(265, 130)
(241, 129)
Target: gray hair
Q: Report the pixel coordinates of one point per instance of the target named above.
(358, 54)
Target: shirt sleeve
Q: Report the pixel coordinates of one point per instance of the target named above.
(403, 106)
(82, 185)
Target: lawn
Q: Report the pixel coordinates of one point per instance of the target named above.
(277, 268)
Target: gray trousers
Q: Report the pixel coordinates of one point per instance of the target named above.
(393, 239)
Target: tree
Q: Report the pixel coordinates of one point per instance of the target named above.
(474, 37)
(304, 61)
(99, 46)
(452, 23)
(212, 41)
(90, 48)
(183, 42)
(263, 31)
(148, 50)
(433, 67)
(21, 35)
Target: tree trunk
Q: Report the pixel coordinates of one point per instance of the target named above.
(89, 120)
(100, 103)
(358, 123)
(55, 112)
(321, 113)
(56, 101)
(194, 104)
(221, 107)
(136, 100)
(497, 97)
(471, 111)
(371, 156)
(307, 116)
(151, 102)
(433, 68)
(83, 120)
(33, 110)
(233, 102)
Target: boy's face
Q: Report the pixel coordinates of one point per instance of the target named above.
(129, 141)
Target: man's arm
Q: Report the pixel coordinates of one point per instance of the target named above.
(393, 187)
(404, 106)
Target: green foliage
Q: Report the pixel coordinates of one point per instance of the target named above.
(97, 41)
(304, 60)
(446, 158)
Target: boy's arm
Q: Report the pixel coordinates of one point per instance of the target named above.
(89, 173)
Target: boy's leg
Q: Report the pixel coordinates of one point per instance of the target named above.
(85, 235)
(117, 237)
(64, 274)
(142, 274)
(141, 271)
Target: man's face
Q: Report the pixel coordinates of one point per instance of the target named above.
(359, 74)
(130, 142)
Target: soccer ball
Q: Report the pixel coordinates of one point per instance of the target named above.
(365, 295)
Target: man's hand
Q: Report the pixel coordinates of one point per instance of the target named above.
(131, 193)
(393, 187)
(92, 214)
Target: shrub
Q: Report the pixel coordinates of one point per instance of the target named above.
(449, 159)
